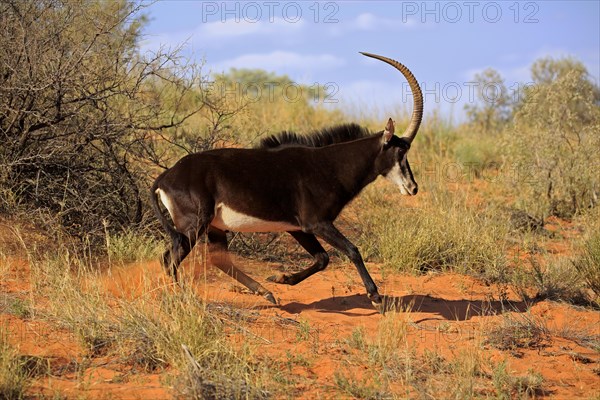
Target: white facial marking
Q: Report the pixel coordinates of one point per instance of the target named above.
(396, 177)
(227, 219)
(166, 201)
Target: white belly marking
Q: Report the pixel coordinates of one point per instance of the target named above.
(227, 219)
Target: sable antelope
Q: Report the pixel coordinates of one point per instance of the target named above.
(288, 183)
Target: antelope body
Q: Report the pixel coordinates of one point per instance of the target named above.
(289, 183)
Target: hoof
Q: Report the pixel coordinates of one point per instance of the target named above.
(279, 278)
(380, 307)
(269, 297)
(375, 298)
(378, 302)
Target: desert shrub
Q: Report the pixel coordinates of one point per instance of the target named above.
(518, 332)
(558, 280)
(476, 155)
(554, 144)
(86, 119)
(359, 388)
(79, 106)
(563, 278)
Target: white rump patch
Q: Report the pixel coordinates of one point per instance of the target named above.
(227, 219)
(166, 201)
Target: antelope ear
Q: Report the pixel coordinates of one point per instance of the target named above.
(389, 131)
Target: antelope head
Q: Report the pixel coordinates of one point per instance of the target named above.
(396, 148)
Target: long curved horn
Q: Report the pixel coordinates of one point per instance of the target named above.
(417, 115)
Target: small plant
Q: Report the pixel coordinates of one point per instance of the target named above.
(390, 350)
(502, 381)
(530, 385)
(94, 338)
(296, 359)
(77, 302)
(515, 333)
(357, 338)
(465, 369)
(558, 281)
(201, 382)
(303, 333)
(434, 361)
(18, 307)
(510, 387)
(358, 389)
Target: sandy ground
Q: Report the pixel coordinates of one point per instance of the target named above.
(445, 312)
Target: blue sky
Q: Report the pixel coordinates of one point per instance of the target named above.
(443, 43)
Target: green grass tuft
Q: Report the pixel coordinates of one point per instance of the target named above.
(14, 379)
(444, 234)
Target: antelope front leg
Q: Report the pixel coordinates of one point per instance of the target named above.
(331, 235)
(311, 244)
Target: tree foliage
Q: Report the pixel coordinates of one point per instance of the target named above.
(551, 135)
(77, 106)
(492, 110)
(556, 138)
(270, 103)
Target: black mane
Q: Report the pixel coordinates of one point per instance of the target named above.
(324, 137)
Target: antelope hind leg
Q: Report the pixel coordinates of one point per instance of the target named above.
(219, 257)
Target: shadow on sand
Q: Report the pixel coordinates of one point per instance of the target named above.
(451, 310)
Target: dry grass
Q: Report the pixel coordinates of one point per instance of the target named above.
(569, 278)
(132, 246)
(399, 370)
(14, 379)
(444, 233)
(148, 332)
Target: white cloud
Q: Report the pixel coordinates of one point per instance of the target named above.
(232, 28)
(365, 21)
(370, 22)
(214, 34)
(281, 61)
